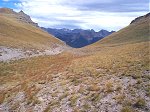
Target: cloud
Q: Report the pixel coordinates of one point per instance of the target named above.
(91, 14)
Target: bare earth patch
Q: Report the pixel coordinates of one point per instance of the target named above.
(7, 54)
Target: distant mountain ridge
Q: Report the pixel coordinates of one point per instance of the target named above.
(78, 38)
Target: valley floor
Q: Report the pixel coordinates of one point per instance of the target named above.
(99, 79)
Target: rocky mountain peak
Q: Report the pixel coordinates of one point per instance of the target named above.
(21, 12)
(26, 18)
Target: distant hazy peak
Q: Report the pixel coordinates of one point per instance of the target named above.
(140, 18)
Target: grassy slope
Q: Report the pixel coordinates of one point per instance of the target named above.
(17, 34)
(133, 33)
(130, 44)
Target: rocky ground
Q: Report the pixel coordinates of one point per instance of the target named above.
(64, 92)
(7, 54)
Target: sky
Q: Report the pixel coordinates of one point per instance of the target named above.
(82, 14)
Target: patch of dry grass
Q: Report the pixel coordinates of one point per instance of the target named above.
(94, 87)
(127, 109)
(2, 97)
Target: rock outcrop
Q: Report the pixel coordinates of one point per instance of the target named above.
(26, 18)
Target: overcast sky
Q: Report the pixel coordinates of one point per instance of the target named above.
(85, 14)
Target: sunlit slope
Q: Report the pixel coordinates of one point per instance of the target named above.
(127, 48)
(21, 35)
(135, 32)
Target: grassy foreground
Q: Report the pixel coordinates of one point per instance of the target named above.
(118, 75)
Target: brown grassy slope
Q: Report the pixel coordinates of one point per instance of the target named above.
(127, 48)
(136, 32)
(125, 59)
(22, 35)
